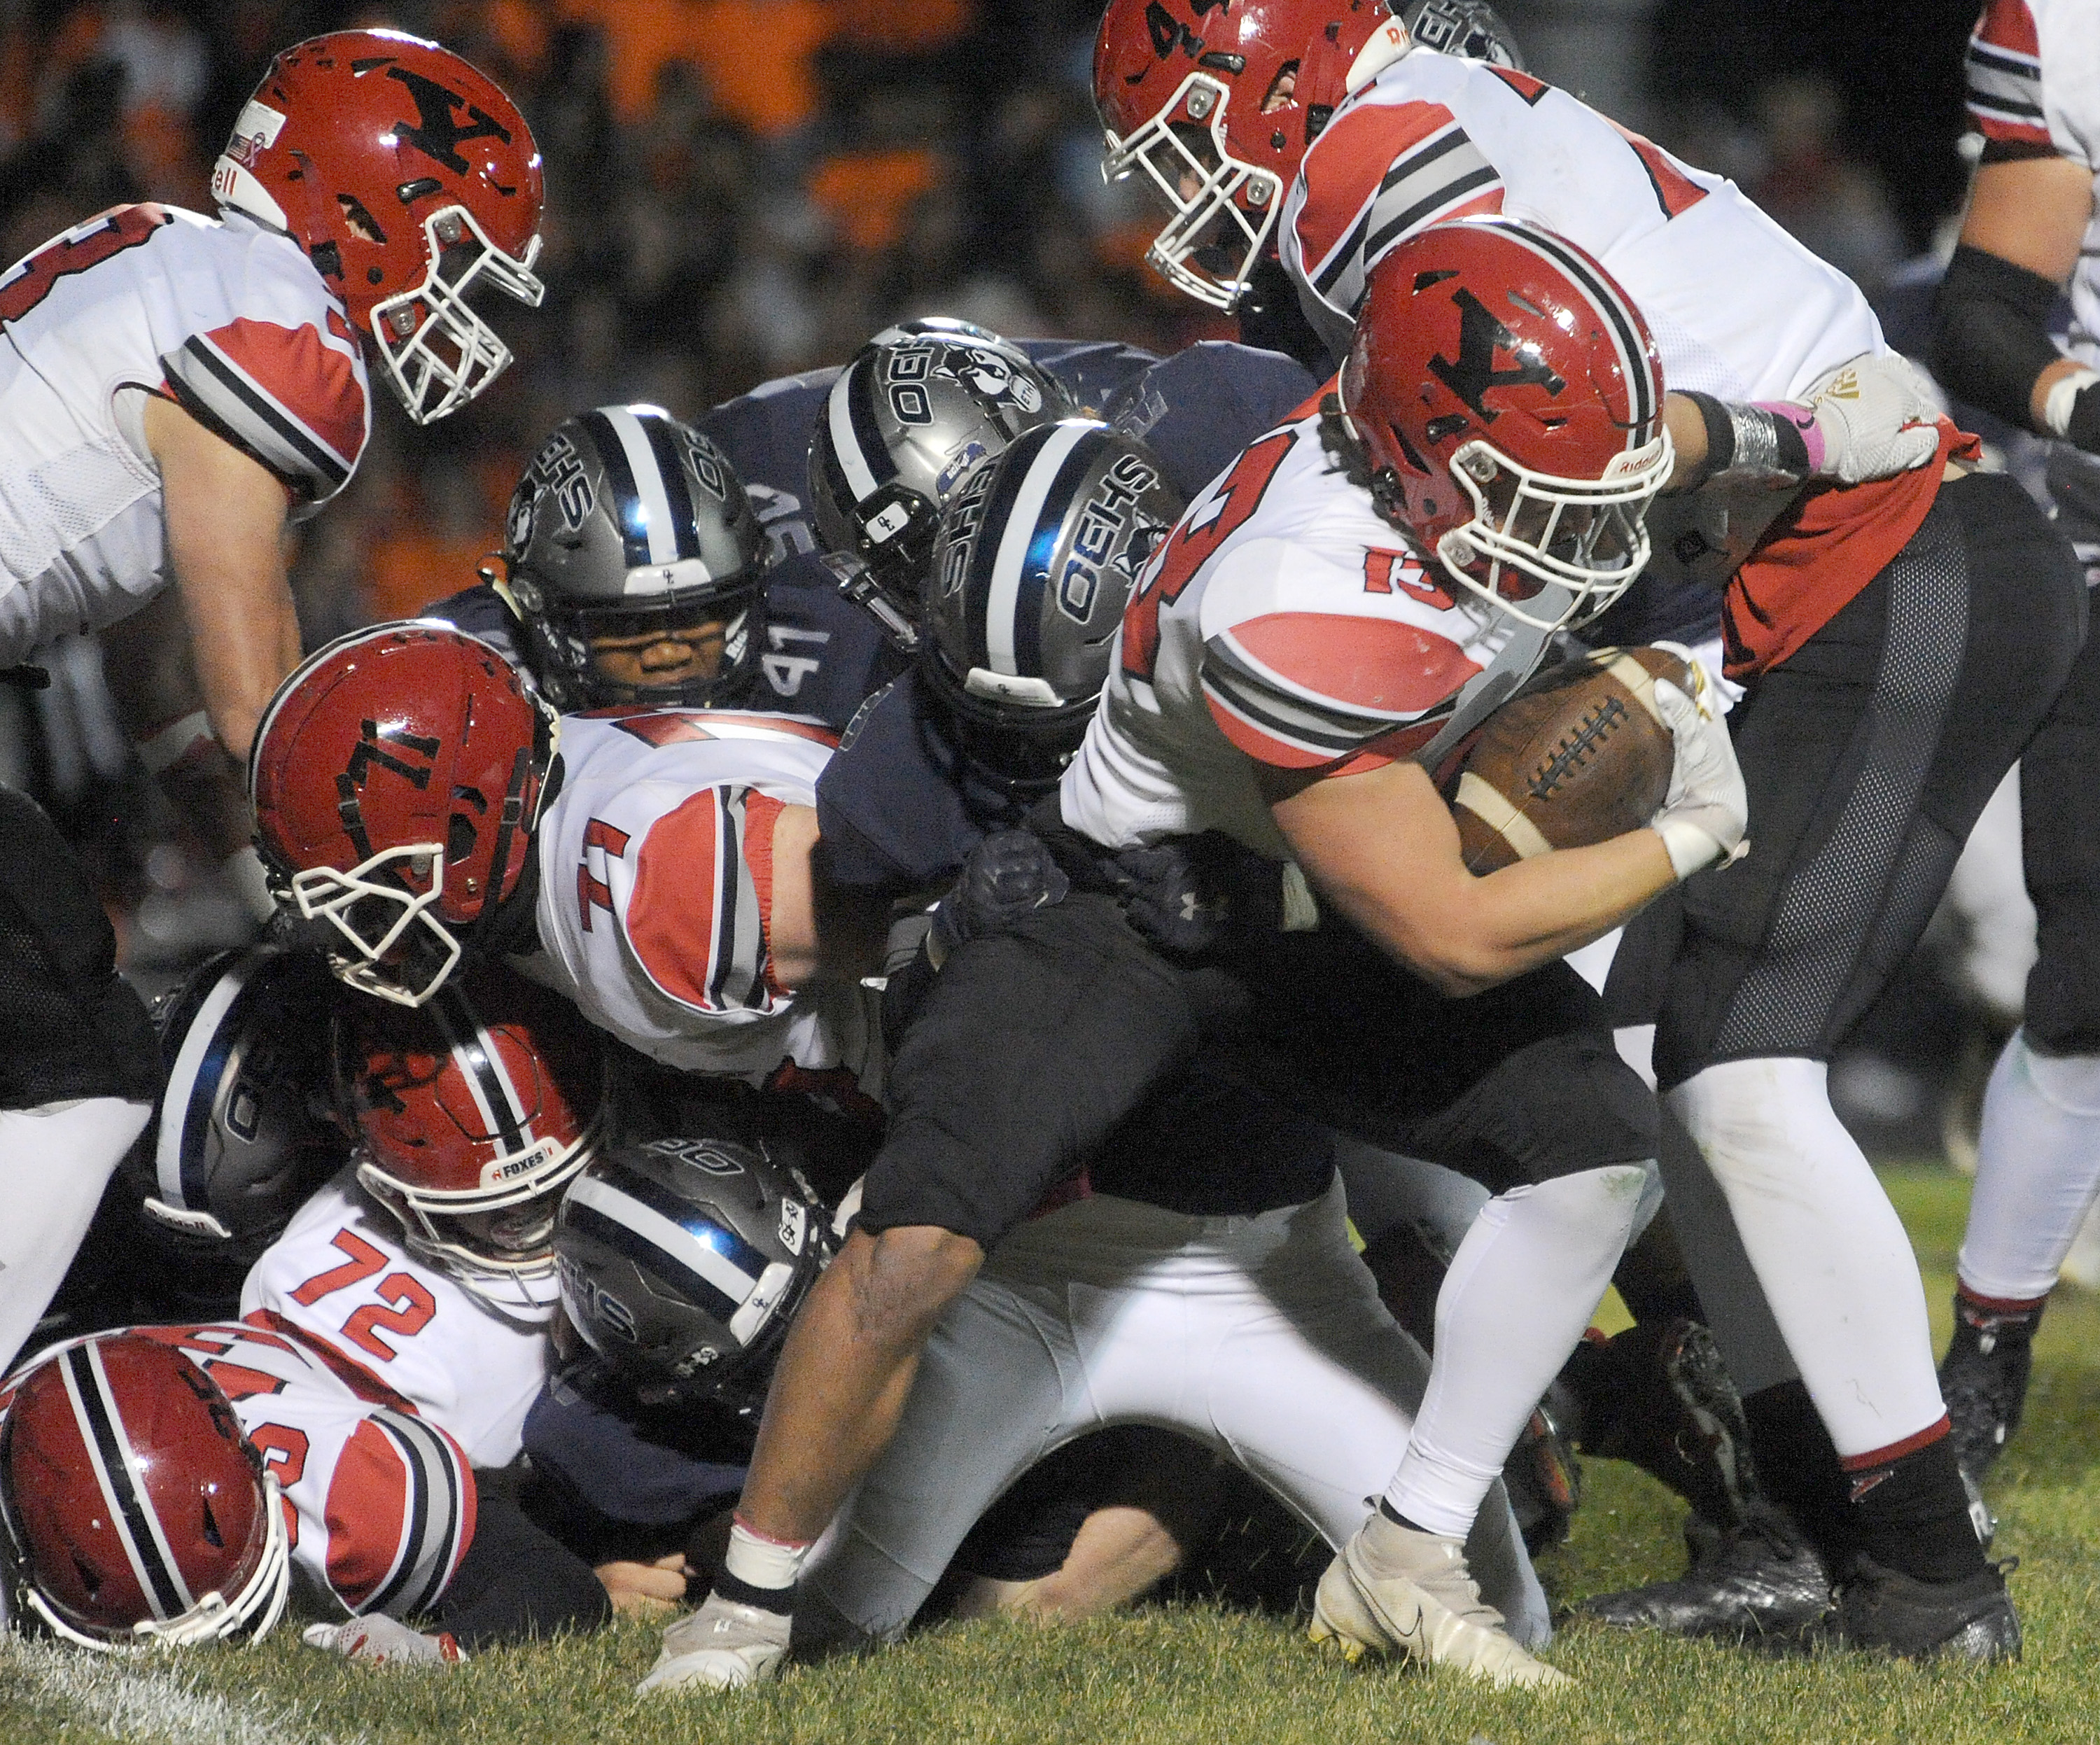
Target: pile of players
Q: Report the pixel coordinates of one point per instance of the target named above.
(879, 952)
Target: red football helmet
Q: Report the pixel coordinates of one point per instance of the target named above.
(1509, 398)
(138, 1511)
(409, 179)
(472, 1115)
(396, 780)
(1217, 104)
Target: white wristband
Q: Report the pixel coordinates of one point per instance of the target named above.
(2062, 397)
(1691, 848)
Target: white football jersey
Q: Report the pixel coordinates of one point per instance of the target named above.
(227, 318)
(340, 1273)
(1738, 308)
(656, 894)
(380, 1500)
(2034, 87)
(1282, 622)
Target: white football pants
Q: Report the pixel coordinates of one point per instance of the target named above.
(1261, 1337)
(54, 1162)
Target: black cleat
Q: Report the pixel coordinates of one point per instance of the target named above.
(1659, 1396)
(1983, 1379)
(1764, 1585)
(1970, 1619)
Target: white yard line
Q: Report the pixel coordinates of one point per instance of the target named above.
(148, 1699)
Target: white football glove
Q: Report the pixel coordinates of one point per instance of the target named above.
(377, 1640)
(1702, 819)
(1876, 417)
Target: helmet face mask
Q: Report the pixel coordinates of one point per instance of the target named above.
(137, 1511)
(1550, 551)
(435, 351)
(412, 181)
(1223, 208)
(638, 565)
(398, 949)
(1508, 399)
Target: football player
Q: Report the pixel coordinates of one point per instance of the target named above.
(421, 1281)
(79, 1069)
(178, 388)
(2034, 94)
(1200, 1276)
(134, 1508)
(1086, 965)
(1841, 601)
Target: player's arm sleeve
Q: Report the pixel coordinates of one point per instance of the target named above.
(398, 1518)
(280, 394)
(2004, 91)
(699, 902)
(1298, 689)
(1379, 174)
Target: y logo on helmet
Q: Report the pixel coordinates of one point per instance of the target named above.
(371, 748)
(436, 134)
(1474, 375)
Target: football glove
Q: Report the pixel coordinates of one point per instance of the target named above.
(1875, 417)
(1705, 812)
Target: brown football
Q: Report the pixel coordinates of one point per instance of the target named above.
(1579, 756)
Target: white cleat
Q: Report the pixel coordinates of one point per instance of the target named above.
(1393, 1590)
(721, 1646)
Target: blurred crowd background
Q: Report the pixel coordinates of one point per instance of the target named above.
(740, 189)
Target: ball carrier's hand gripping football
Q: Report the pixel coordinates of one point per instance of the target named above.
(1593, 749)
(1703, 819)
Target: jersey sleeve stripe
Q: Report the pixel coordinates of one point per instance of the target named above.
(1446, 171)
(2004, 95)
(435, 1518)
(1343, 172)
(205, 379)
(1331, 734)
(1254, 730)
(1245, 674)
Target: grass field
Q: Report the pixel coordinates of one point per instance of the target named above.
(1202, 1675)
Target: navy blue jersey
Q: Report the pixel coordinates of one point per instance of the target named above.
(896, 807)
(1200, 407)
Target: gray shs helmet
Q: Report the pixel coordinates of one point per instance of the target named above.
(1038, 555)
(240, 1138)
(627, 521)
(683, 1262)
(903, 422)
(1470, 29)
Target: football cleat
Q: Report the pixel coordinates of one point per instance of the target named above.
(1970, 1619)
(1394, 1589)
(722, 1647)
(1543, 1476)
(1764, 1585)
(1660, 1397)
(1983, 1379)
